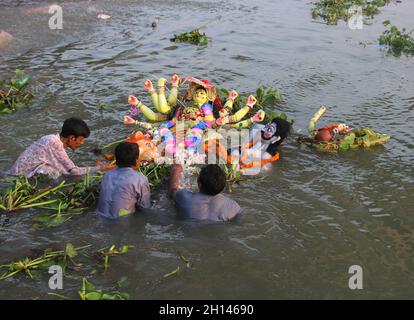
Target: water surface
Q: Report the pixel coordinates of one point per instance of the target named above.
(315, 214)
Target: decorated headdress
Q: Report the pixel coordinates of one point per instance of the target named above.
(207, 85)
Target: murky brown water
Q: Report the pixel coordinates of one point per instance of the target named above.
(304, 225)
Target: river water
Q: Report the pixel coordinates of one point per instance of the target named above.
(304, 225)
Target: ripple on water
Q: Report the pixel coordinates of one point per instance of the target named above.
(313, 212)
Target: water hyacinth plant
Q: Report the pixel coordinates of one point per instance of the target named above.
(267, 99)
(331, 11)
(193, 37)
(76, 199)
(397, 41)
(66, 199)
(14, 94)
(156, 173)
(24, 194)
(48, 258)
(89, 292)
(111, 251)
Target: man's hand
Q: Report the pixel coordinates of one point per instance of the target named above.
(103, 166)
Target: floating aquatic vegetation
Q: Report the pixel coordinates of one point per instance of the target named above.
(66, 199)
(23, 194)
(99, 150)
(155, 173)
(172, 273)
(357, 138)
(232, 175)
(397, 41)
(193, 37)
(331, 11)
(267, 99)
(186, 261)
(47, 259)
(111, 251)
(74, 201)
(14, 95)
(101, 106)
(267, 96)
(271, 115)
(177, 270)
(89, 292)
(235, 176)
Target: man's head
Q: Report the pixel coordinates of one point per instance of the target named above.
(74, 131)
(211, 180)
(126, 154)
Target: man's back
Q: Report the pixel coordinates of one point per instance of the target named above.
(47, 156)
(39, 155)
(122, 189)
(197, 205)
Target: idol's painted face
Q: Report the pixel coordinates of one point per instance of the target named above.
(269, 131)
(200, 97)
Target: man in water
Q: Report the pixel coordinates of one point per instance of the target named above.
(5, 39)
(208, 203)
(48, 156)
(124, 189)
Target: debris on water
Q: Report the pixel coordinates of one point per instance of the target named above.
(154, 23)
(333, 11)
(174, 272)
(48, 258)
(89, 292)
(108, 252)
(14, 94)
(103, 16)
(5, 39)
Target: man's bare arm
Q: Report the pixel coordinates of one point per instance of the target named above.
(174, 182)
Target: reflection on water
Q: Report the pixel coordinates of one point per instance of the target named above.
(304, 225)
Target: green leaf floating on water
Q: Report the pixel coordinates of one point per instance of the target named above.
(193, 37)
(174, 272)
(331, 11)
(124, 248)
(267, 97)
(397, 41)
(89, 292)
(43, 262)
(70, 251)
(13, 94)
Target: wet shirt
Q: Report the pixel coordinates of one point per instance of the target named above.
(196, 205)
(47, 156)
(122, 191)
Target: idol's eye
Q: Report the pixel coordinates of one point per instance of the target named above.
(270, 128)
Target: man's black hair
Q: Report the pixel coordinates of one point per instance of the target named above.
(75, 127)
(212, 180)
(126, 154)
